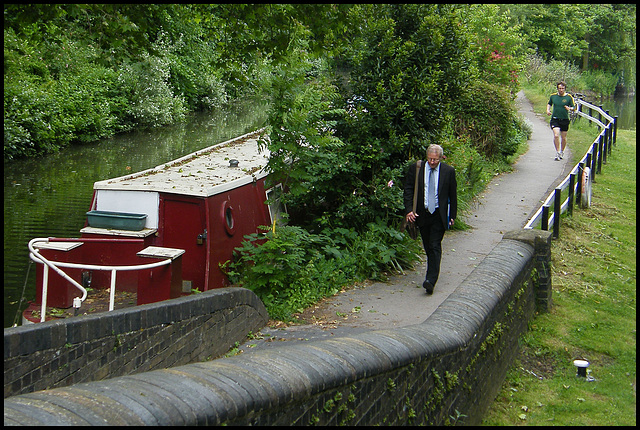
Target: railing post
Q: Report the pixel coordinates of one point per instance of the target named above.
(615, 129)
(572, 184)
(579, 183)
(579, 109)
(600, 144)
(608, 139)
(589, 159)
(593, 159)
(557, 208)
(112, 293)
(599, 114)
(544, 221)
(605, 143)
(45, 285)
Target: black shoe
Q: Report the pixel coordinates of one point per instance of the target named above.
(428, 286)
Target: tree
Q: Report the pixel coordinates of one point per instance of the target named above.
(408, 63)
(592, 36)
(497, 45)
(413, 63)
(612, 41)
(301, 139)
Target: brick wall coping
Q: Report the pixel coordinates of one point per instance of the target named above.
(235, 389)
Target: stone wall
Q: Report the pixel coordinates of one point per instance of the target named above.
(446, 370)
(155, 336)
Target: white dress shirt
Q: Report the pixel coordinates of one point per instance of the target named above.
(436, 174)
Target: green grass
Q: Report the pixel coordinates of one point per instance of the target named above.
(594, 311)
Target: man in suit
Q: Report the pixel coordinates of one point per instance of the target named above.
(436, 209)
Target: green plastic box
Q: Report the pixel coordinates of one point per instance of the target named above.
(116, 220)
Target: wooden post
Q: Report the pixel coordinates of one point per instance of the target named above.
(544, 222)
(572, 185)
(557, 208)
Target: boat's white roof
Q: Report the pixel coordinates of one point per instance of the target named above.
(203, 173)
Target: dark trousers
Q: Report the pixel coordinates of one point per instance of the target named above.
(432, 233)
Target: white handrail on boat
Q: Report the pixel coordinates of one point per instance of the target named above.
(77, 301)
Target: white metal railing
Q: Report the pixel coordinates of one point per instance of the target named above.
(574, 184)
(537, 217)
(580, 103)
(35, 255)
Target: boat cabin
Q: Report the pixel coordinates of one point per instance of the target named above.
(202, 204)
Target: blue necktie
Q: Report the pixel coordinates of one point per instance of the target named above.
(432, 192)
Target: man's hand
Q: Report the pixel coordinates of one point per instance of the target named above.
(411, 217)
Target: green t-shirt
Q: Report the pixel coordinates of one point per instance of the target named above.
(559, 102)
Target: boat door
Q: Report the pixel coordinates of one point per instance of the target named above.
(183, 227)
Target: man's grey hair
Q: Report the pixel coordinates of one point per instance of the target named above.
(435, 148)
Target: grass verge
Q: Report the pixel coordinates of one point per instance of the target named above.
(594, 312)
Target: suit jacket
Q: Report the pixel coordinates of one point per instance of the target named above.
(447, 193)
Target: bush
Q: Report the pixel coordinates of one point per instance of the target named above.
(599, 82)
(189, 61)
(28, 104)
(537, 71)
(88, 103)
(29, 126)
(291, 269)
(59, 90)
(145, 84)
(151, 102)
(486, 116)
(471, 172)
(54, 94)
(377, 250)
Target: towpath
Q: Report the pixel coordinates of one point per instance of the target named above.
(506, 204)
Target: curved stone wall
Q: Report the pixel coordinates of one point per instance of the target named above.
(93, 347)
(446, 370)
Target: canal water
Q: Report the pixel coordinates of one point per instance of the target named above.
(49, 196)
(624, 108)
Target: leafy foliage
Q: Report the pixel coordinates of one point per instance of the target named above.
(290, 268)
(598, 81)
(301, 141)
(497, 45)
(587, 36)
(356, 92)
(549, 73)
(487, 116)
(66, 82)
(412, 64)
(49, 103)
(150, 99)
(390, 106)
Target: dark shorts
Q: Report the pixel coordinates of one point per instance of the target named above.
(563, 124)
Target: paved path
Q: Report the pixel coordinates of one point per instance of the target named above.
(506, 204)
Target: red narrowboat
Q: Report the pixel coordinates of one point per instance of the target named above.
(165, 230)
